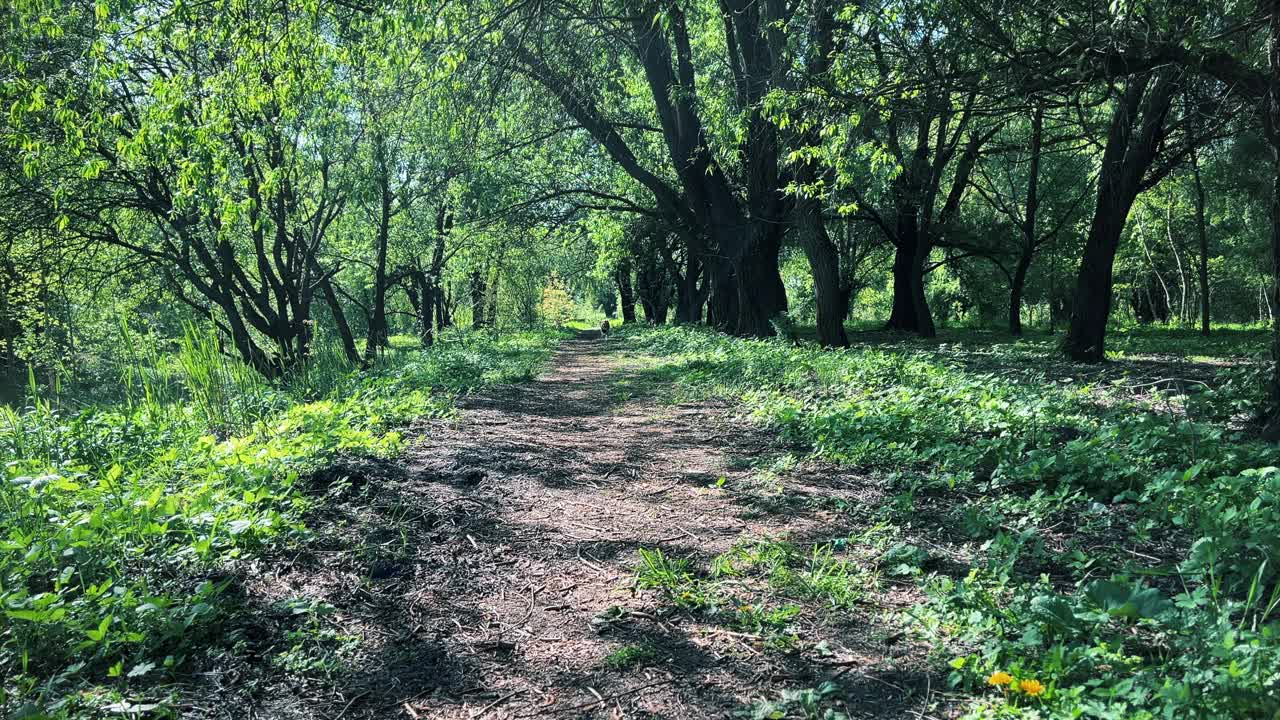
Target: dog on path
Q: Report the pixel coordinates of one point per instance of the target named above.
(604, 328)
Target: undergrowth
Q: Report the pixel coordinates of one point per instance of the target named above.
(1127, 540)
(755, 586)
(121, 524)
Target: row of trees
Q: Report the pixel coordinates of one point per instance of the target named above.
(773, 121)
(277, 169)
(291, 169)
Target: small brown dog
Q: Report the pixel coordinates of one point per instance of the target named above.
(604, 328)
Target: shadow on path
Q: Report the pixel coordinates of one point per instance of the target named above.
(466, 582)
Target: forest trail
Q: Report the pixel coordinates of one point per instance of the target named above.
(495, 568)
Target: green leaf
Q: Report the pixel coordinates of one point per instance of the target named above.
(1123, 601)
(101, 633)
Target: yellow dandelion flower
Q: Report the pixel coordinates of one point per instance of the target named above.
(745, 609)
(1031, 687)
(1000, 678)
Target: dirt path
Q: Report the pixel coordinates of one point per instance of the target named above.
(493, 569)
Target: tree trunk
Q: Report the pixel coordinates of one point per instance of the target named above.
(340, 321)
(1128, 154)
(1202, 233)
(910, 306)
(1272, 430)
(749, 292)
(431, 281)
(689, 296)
(376, 337)
(831, 295)
(422, 295)
(491, 318)
(1271, 122)
(269, 367)
(653, 287)
(830, 287)
(622, 275)
(1016, 288)
(1159, 309)
(444, 308)
(722, 299)
(762, 296)
(477, 299)
(1019, 281)
(660, 312)
(1092, 305)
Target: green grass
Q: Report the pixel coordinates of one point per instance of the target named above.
(631, 656)
(1122, 546)
(119, 523)
(757, 586)
(817, 573)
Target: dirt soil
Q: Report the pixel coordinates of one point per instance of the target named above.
(489, 572)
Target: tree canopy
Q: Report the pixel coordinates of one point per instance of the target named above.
(295, 172)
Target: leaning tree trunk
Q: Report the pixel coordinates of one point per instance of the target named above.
(1129, 152)
(269, 367)
(1092, 305)
(345, 335)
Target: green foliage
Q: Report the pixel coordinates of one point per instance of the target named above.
(819, 574)
(1110, 648)
(631, 656)
(120, 525)
(757, 587)
(315, 648)
(556, 307)
(1027, 456)
(806, 704)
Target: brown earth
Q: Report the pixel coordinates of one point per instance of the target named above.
(490, 572)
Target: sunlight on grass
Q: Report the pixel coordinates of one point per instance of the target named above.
(1048, 484)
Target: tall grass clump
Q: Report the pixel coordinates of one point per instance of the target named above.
(227, 394)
